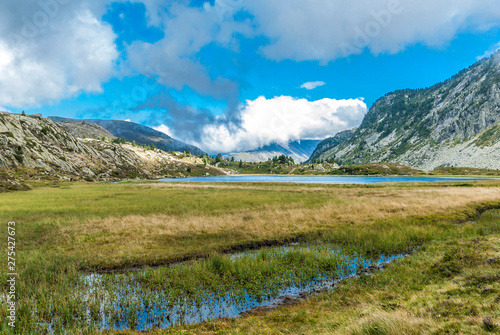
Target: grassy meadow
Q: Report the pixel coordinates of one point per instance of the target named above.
(450, 286)
(69, 229)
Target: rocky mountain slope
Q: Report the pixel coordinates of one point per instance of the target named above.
(131, 131)
(87, 130)
(46, 148)
(298, 150)
(329, 143)
(454, 123)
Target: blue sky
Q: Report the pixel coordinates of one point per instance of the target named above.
(210, 72)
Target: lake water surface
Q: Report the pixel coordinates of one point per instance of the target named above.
(311, 179)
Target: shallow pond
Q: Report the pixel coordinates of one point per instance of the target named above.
(311, 179)
(148, 299)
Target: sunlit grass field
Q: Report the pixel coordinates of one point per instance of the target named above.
(70, 229)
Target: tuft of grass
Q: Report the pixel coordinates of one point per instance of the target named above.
(7, 133)
(456, 259)
(380, 322)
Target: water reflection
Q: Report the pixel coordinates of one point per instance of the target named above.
(312, 179)
(124, 303)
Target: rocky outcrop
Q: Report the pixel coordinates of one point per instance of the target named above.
(42, 144)
(454, 123)
(48, 148)
(331, 142)
(87, 130)
(133, 132)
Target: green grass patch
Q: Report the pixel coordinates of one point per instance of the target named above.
(79, 227)
(488, 137)
(411, 296)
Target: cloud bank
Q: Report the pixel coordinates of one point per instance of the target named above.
(55, 49)
(325, 30)
(264, 121)
(173, 61)
(320, 30)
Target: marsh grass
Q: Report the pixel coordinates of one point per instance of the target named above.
(85, 227)
(113, 226)
(215, 283)
(69, 302)
(411, 296)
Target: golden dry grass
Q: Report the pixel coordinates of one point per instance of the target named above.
(138, 236)
(346, 206)
(377, 321)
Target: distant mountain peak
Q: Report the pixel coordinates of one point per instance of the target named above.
(298, 150)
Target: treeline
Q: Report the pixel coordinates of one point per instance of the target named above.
(284, 160)
(276, 160)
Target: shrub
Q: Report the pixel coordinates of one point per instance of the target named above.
(119, 140)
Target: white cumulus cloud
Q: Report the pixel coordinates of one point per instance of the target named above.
(50, 52)
(164, 129)
(173, 60)
(311, 85)
(281, 120)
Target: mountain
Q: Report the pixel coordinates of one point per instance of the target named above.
(453, 123)
(131, 131)
(298, 150)
(36, 148)
(331, 142)
(87, 130)
(36, 143)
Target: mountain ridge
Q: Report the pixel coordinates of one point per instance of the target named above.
(298, 150)
(331, 142)
(38, 148)
(131, 132)
(452, 123)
